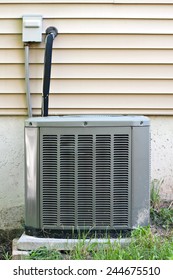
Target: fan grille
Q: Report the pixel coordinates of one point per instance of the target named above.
(85, 179)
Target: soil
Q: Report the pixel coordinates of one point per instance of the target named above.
(6, 238)
(159, 229)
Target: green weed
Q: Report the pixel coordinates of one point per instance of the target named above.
(144, 245)
(155, 193)
(44, 254)
(160, 215)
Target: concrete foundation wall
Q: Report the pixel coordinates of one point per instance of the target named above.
(162, 153)
(11, 171)
(12, 165)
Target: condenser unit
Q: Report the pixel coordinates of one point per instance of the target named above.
(86, 173)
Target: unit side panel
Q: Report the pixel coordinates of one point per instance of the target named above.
(32, 199)
(140, 176)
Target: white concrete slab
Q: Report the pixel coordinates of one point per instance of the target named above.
(28, 243)
(18, 254)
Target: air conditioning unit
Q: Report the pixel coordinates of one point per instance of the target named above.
(86, 173)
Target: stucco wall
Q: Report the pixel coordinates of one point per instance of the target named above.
(12, 165)
(11, 171)
(162, 153)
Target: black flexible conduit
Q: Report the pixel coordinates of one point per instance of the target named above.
(51, 33)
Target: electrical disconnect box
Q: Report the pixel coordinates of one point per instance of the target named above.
(32, 28)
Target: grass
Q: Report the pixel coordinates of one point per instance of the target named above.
(43, 254)
(144, 245)
(155, 193)
(161, 215)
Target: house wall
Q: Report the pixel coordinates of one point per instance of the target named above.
(109, 57)
(11, 171)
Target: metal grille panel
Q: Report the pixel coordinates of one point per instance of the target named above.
(121, 180)
(67, 180)
(49, 179)
(85, 178)
(103, 179)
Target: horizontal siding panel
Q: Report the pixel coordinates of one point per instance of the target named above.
(12, 86)
(143, 1)
(11, 26)
(106, 86)
(37, 112)
(133, 111)
(88, 11)
(107, 41)
(102, 56)
(109, 101)
(111, 26)
(94, 41)
(91, 1)
(14, 112)
(92, 86)
(90, 102)
(58, 1)
(11, 56)
(11, 41)
(83, 87)
(13, 71)
(91, 56)
(89, 71)
(92, 26)
(12, 101)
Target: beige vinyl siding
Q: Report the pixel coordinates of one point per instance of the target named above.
(89, 1)
(99, 86)
(89, 11)
(107, 58)
(91, 71)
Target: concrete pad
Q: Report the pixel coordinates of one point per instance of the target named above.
(28, 243)
(17, 254)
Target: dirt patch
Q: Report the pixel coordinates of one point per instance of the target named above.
(166, 204)
(6, 237)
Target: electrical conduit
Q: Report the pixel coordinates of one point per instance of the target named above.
(51, 33)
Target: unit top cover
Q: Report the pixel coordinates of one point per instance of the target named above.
(88, 121)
